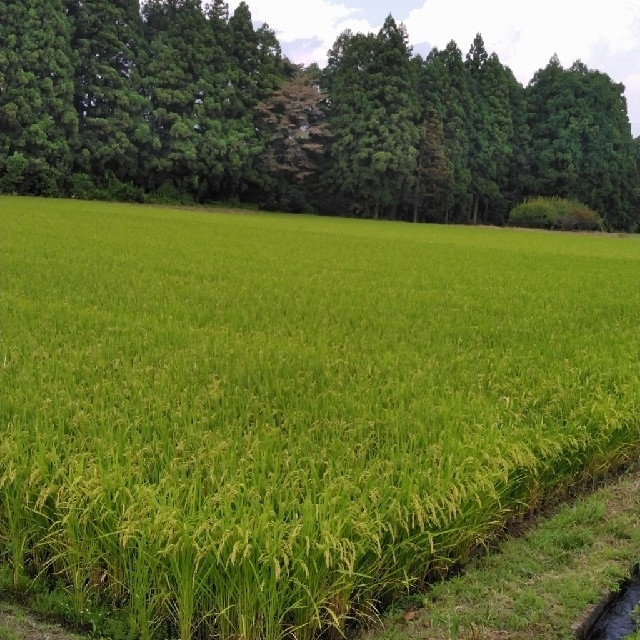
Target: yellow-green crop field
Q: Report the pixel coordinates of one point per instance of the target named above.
(261, 426)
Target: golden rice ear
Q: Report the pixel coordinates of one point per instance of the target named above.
(265, 426)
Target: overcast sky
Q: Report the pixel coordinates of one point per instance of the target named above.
(605, 35)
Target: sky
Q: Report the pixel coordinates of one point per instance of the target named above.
(605, 35)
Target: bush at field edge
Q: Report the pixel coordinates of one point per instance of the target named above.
(555, 213)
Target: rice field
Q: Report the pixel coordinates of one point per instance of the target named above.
(259, 426)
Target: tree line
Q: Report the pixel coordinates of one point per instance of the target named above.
(170, 101)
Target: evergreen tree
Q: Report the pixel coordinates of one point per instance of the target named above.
(491, 127)
(374, 114)
(38, 123)
(255, 71)
(433, 178)
(256, 55)
(518, 172)
(346, 83)
(206, 75)
(218, 14)
(554, 154)
(582, 145)
(445, 86)
(392, 75)
(111, 108)
(185, 83)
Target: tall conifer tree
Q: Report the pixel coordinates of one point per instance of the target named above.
(491, 129)
(111, 108)
(433, 177)
(582, 145)
(38, 122)
(255, 71)
(185, 104)
(374, 117)
(445, 86)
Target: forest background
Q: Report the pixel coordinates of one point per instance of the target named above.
(170, 101)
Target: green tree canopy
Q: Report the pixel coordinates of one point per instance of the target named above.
(38, 122)
(112, 111)
(445, 87)
(581, 141)
(373, 118)
(491, 131)
(177, 100)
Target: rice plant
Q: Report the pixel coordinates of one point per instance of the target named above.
(263, 426)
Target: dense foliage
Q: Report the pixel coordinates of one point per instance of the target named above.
(554, 213)
(170, 101)
(264, 426)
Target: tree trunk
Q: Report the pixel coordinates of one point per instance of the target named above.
(396, 204)
(415, 212)
(476, 199)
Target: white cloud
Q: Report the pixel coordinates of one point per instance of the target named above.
(526, 35)
(632, 92)
(318, 20)
(523, 34)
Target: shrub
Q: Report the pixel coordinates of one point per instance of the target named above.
(12, 173)
(29, 176)
(83, 187)
(573, 215)
(554, 213)
(109, 188)
(117, 190)
(537, 214)
(168, 193)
